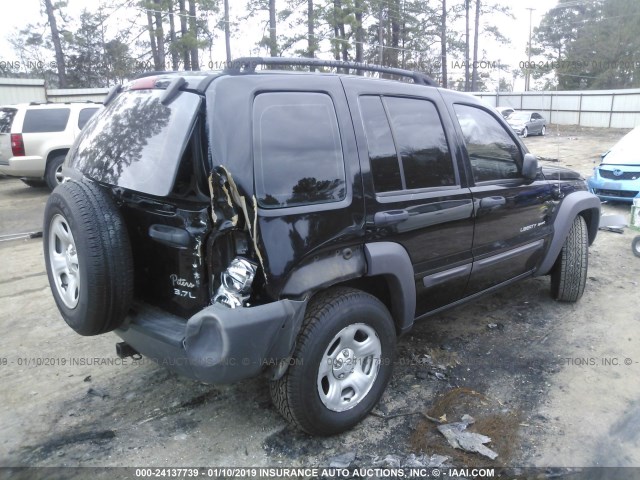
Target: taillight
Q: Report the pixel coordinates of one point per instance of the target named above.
(17, 145)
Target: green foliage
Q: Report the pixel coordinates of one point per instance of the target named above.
(593, 45)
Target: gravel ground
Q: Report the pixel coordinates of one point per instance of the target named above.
(551, 384)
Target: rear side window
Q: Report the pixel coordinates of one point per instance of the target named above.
(84, 116)
(297, 150)
(383, 156)
(6, 119)
(421, 142)
(407, 146)
(42, 120)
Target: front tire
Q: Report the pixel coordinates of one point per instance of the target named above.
(543, 131)
(569, 274)
(525, 132)
(341, 365)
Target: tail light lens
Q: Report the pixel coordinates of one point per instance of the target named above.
(17, 145)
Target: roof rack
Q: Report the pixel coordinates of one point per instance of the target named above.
(249, 64)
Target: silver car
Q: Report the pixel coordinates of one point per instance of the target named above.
(527, 123)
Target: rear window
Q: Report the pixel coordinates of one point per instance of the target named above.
(137, 142)
(45, 120)
(6, 119)
(297, 150)
(84, 116)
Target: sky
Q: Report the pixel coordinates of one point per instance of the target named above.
(243, 44)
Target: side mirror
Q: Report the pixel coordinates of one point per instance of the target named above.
(530, 167)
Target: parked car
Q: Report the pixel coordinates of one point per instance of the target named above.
(527, 123)
(248, 223)
(618, 175)
(35, 138)
(505, 111)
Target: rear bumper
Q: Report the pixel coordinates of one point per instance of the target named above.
(32, 167)
(218, 344)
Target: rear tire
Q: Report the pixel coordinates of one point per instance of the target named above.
(635, 246)
(341, 365)
(88, 258)
(569, 274)
(543, 131)
(53, 172)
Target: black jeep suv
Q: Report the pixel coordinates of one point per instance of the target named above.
(294, 224)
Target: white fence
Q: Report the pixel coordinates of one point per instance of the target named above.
(591, 108)
(24, 90)
(77, 94)
(21, 90)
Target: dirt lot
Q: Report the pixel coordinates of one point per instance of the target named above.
(551, 384)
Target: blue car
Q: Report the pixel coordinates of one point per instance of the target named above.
(617, 177)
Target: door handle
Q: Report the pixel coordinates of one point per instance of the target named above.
(489, 202)
(390, 217)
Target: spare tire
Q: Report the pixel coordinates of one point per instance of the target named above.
(88, 257)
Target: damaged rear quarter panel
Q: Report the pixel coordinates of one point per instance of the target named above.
(286, 239)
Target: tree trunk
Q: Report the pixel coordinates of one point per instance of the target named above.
(381, 34)
(474, 76)
(336, 31)
(175, 58)
(395, 34)
(186, 55)
(160, 63)
(55, 38)
(311, 30)
(359, 32)
(273, 34)
(466, 47)
(443, 43)
(227, 32)
(343, 43)
(152, 38)
(193, 30)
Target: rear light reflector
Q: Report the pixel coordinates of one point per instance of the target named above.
(144, 83)
(17, 145)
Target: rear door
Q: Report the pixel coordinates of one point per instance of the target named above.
(415, 192)
(44, 126)
(512, 214)
(148, 150)
(7, 114)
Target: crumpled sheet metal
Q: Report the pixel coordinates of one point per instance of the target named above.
(458, 437)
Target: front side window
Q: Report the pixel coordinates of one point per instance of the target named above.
(492, 152)
(297, 150)
(45, 120)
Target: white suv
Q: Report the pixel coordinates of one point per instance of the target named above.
(35, 138)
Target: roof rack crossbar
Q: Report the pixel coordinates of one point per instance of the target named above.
(249, 64)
